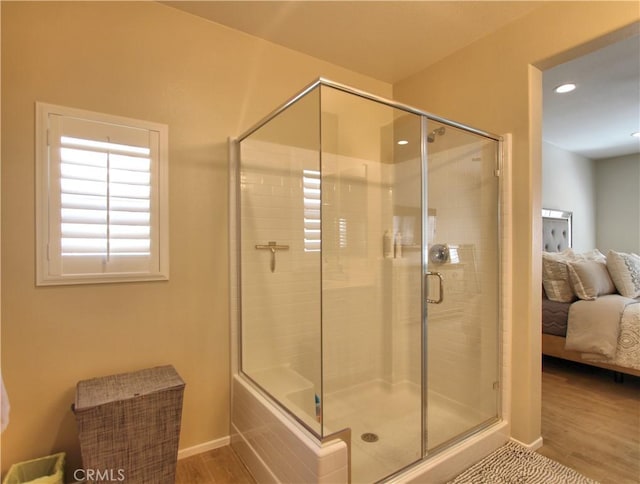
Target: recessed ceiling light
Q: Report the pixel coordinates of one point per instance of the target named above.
(636, 134)
(403, 142)
(561, 89)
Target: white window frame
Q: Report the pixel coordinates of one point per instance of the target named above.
(52, 268)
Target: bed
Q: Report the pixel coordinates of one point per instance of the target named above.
(590, 302)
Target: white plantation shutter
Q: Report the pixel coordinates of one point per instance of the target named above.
(104, 206)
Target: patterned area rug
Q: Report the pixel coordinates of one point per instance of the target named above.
(512, 464)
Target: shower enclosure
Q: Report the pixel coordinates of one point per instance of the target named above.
(367, 253)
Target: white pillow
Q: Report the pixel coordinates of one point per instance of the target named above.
(593, 254)
(625, 272)
(590, 279)
(555, 272)
(555, 275)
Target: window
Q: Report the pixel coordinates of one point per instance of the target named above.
(102, 211)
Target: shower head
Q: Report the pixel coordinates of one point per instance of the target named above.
(431, 137)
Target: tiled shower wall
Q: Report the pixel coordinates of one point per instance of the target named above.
(281, 310)
(463, 330)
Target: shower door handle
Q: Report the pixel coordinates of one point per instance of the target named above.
(440, 287)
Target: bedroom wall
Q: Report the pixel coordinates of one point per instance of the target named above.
(618, 203)
(149, 61)
(494, 84)
(569, 183)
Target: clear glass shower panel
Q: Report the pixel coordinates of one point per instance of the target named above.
(279, 205)
(372, 281)
(463, 261)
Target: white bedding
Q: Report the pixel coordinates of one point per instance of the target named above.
(606, 330)
(628, 350)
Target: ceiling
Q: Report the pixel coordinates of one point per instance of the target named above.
(597, 119)
(391, 40)
(387, 40)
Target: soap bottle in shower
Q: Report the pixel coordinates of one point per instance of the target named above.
(397, 246)
(387, 245)
(318, 408)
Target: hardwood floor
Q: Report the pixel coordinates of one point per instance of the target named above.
(590, 423)
(218, 466)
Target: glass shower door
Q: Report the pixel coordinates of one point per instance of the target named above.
(463, 283)
(372, 281)
(279, 206)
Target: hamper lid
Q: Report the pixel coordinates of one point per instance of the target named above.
(98, 391)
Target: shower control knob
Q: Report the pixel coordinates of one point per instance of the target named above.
(439, 254)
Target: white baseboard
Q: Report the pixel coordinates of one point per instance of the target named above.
(204, 447)
(535, 445)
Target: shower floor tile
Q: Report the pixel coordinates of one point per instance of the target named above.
(394, 415)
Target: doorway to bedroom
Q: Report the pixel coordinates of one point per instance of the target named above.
(591, 175)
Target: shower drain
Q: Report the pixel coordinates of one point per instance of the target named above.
(369, 437)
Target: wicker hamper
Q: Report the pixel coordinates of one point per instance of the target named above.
(129, 425)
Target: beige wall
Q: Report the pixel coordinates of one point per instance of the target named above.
(146, 61)
(491, 85)
(616, 186)
(569, 183)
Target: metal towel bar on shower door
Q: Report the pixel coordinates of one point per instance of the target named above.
(272, 246)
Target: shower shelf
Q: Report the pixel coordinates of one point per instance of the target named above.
(281, 380)
(291, 389)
